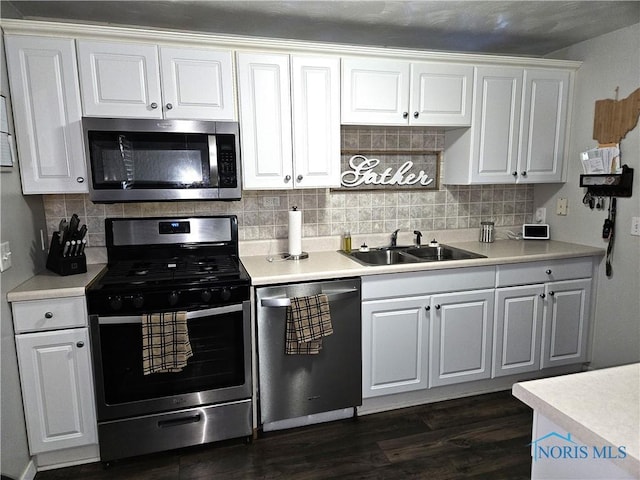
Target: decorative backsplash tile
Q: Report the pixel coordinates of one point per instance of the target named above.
(263, 214)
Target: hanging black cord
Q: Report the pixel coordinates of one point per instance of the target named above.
(612, 223)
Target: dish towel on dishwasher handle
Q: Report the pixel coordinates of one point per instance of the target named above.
(308, 320)
(165, 342)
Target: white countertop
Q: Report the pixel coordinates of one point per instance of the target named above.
(51, 285)
(598, 407)
(332, 264)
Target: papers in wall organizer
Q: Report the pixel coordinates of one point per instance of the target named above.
(601, 160)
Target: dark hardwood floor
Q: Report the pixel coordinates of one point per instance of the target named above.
(480, 437)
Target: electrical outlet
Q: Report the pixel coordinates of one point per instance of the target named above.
(635, 226)
(541, 215)
(562, 206)
(5, 256)
(271, 201)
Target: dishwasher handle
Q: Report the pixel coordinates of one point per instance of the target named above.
(286, 302)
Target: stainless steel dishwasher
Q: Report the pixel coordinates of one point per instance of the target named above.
(294, 388)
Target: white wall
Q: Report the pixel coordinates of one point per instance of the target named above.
(610, 61)
(20, 221)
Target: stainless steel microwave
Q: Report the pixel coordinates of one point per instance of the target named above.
(137, 160)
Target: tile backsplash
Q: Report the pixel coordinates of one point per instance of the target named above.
(263, 214)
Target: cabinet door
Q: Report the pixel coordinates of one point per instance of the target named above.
(566, 321)
(197, 84)
(57, 389)
(265, 121)
(316, 121)
(441, 94)
(496, 122)
(394, 346)
(461, 337)
(119, 80)
(518, 330)
(375, 92)
(47, 112)
(544, 123)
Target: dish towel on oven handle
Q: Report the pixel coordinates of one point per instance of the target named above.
(308, 320)
(165, 342)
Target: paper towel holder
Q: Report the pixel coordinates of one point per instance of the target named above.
(302, 256)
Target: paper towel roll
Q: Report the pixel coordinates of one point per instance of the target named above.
(295, 232)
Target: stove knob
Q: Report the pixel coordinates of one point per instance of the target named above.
(225, 294)
(115, 302)
(173, 298)
(205, 295)
(138, 301)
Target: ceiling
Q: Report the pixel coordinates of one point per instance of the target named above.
(533, 28)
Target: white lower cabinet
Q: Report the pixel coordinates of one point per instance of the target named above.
(57, 390)
(461, 337)
(394, 346)
(518, 329)
(566, 322)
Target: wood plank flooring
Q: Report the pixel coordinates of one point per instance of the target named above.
(480, 437)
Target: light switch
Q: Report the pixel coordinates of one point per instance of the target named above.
(5, 256)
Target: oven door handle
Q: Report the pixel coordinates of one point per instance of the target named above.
(286, 301)
(190, 314)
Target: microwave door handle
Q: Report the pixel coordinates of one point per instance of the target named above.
(213, 161)
(285, 301)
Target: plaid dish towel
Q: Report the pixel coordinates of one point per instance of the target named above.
(308, 320)
(165, 342)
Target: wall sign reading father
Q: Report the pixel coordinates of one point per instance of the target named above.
(362, 172)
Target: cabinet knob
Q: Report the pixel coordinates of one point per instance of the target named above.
(48, 315)
(438, 307)
(427, 308)
(515, 174)
(80, 344)
(552, 293)
(169, 106)
(524, 174)
(542, 295)
(416, 114)
(548, 271)
(154, 105)
(299, 178)
(287, 178)
(80, 179)
(405, 114)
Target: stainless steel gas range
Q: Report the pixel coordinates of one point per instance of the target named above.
(164, 265)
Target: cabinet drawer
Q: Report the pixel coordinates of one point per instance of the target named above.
(545, 271)
(427, 282)
(49, 314)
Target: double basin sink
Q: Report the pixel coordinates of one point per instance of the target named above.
(400, 255)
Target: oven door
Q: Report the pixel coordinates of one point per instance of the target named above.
(218, 371)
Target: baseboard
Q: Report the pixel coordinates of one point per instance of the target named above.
(30, 471)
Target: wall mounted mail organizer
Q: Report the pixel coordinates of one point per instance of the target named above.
(610, 184)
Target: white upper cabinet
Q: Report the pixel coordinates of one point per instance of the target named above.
(289, 118)
(389, 92)
(147, 81)
(518, 129)
(46, 106)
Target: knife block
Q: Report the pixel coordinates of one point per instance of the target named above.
(58, 263)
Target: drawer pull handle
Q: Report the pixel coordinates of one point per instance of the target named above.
(438, 307)
(80, 344)
(542, 295)
(48, 315)
(405, 114)
(427, 308)
(552, 293)
(548, 272)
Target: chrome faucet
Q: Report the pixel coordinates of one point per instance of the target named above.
(394, 238)
(418, 235)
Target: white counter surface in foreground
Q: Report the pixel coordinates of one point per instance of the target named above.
(332, 264)
(598, 407)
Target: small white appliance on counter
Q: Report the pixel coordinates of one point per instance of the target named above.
(535, 231)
